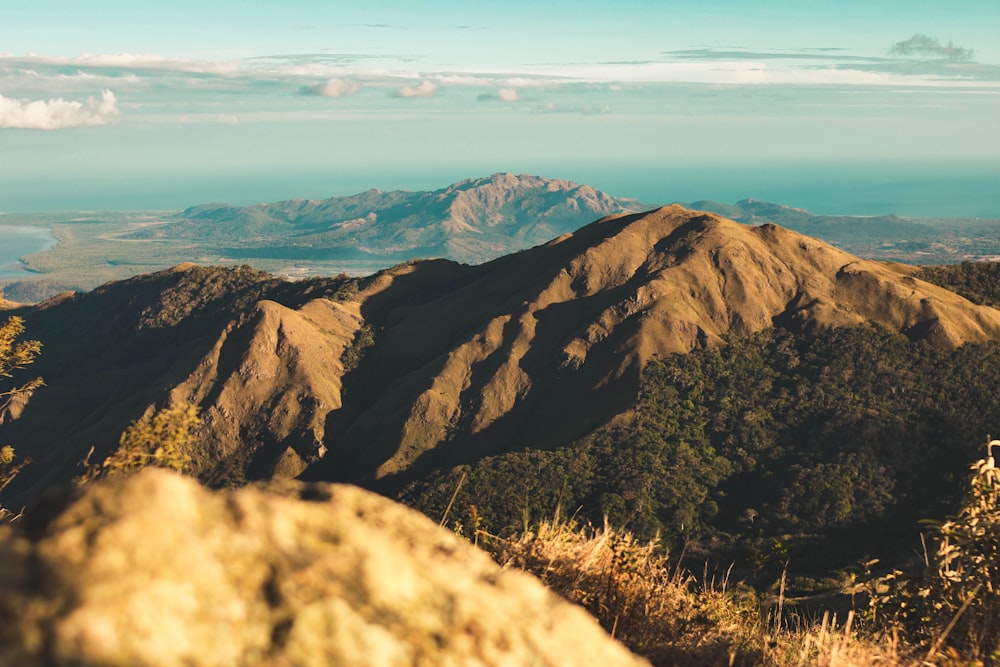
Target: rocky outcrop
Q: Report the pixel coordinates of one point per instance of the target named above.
(155, 570)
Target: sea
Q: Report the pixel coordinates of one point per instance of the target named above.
(926, 189)
(17, 241)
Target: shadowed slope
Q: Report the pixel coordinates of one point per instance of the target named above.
(118, 353)
(533, 349)
(538, 348)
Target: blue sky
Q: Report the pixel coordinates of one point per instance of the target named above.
(191, 99)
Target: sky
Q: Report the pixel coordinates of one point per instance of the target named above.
(137, 104)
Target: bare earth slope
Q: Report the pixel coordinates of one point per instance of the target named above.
(538, 348)
(533, 349)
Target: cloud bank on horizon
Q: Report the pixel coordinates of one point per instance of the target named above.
(34, 86)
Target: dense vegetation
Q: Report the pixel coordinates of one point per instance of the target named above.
(946, 615)
(979, 282)
(215, 290)
(769, 445)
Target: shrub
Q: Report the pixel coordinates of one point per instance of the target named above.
(955, 606)
(664, 614)
(14, 356)
(163, 440)
(10, 466)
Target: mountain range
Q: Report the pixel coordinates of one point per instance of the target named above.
(832, 228)
(470, 221)
(432, 364)
(886, 237)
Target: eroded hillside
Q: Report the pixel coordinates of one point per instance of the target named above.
(450, 362)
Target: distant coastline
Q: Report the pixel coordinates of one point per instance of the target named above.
(914, 190)
(17, 241)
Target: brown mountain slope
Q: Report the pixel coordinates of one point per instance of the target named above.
(117, 353)
(538, 348)
(533, 349)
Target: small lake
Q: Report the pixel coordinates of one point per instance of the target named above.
(16, 241)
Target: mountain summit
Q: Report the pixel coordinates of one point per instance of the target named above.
(431, 364)
(470, 221)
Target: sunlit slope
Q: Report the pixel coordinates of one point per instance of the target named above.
(450, 362)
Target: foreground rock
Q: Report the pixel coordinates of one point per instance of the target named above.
(155, 570)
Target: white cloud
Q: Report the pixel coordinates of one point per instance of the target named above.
(227, 119)
(507, 95)
(148, 61)
(746, 72)
(82, 76)
(460, 80)
(424, 89)
(57, 114)
(334, 88)
(502, 95)
(92, 80)
(123, 62)
(309, 70)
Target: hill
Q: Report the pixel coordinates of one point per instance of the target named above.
(470, 221)
(886, 237)
(433, 364)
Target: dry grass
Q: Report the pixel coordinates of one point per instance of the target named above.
(949, 616)
(666, 615)
(833, 644)
(631, 588)
(164, 440)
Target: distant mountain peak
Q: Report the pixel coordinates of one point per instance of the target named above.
(511, 180)
(470, 221)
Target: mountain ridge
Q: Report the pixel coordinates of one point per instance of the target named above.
(469, 221)
(603, 314)
(533, 349)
